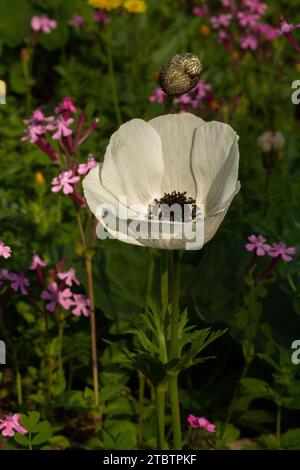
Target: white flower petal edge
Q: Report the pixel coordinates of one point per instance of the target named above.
(215, 163)
(133, 164)
(98, 197)
(176, 132)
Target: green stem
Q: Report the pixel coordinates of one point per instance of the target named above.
(90, 282)
(19, 386)
(160, 410)
(29, 441)
(174, 351)
(164, 281)
(141, 408)
(113, 84)
(93, 327)
(60, 337)
(278, 422)
(151, 267)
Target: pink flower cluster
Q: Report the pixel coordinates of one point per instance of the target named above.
(58, 293)
(5, 250)
(258, 245)
(99, 16)
(10, 425)
(192, 99)
(43, 24)
(44, 131)
(18, 282)
(245, 16)
(201, 423)
(65, 180)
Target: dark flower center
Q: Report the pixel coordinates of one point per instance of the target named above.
(175, 206)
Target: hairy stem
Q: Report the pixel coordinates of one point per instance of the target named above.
(174, 351)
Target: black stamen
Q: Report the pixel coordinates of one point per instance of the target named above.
(163, 208)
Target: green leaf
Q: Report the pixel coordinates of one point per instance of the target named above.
(42, 437)
(30, 421)
(60, 441)
(291, 439)
(258, 388)
(20, 439)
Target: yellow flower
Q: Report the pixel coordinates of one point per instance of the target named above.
(135, 6)
(105, 4)
(298, 67)
(205, 30)
(39, 177)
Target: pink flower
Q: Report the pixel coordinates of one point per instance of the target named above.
(256, 6)
(37, 262)
(247, 19)
(43, 23)
(201, 423)
(267, 31)
(271, 141)
(221, 21)
(64, 182)
(226, 3)
(249, 42)
(4, 275)
(64, 298)
(84, 168)
(258, 243)
(51, 294)
(100, 16)
(76, 21)
(202, 90)
(280, 249)
(183, 99)
(82, 305)
(158, 96)
(19, 283)
(66, 105)
(224, 37)
(10, 424)
(198, 11)
(69, 277)
(62, 128)
(33, 133)
(5, 250)
(55, 296)
(38, 117)
(286, 27)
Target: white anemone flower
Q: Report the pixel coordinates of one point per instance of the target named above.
(171, 159)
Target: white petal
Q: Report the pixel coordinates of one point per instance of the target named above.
(97, 196)
(133, 164)
(215, 160)
(176, 132)
(211, 225)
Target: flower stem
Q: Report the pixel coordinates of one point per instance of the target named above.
(174, 351)
(164, 281)
(278, 422)
(19, 386)
(160, 409)
(93, 328)
(151, 267)
(90, 282)
(141, 407)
